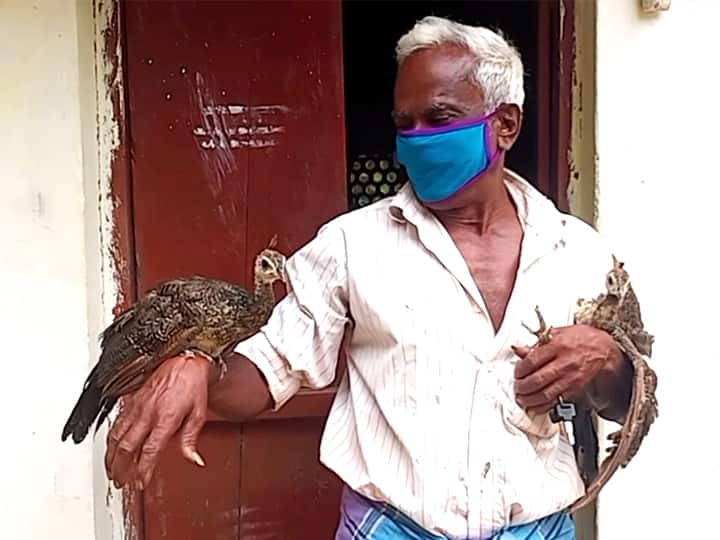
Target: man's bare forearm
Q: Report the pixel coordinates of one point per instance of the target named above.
(242, 393)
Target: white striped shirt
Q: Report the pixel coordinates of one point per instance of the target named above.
(425, 417)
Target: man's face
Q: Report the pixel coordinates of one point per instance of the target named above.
(432, 88)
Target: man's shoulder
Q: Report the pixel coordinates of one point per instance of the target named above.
(580, 230)
(371, 217)
(584, 244)
(360, 227)
(544, 214)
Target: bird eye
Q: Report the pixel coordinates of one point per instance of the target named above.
(265, 265)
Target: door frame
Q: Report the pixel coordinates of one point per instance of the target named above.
(556, 18)
(119, 287)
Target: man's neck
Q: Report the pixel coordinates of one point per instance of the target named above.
(484, 204)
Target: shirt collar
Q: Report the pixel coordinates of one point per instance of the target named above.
(538, 215)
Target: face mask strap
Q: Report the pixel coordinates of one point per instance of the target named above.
(498, 150)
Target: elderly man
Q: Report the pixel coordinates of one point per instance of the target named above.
(440, 428)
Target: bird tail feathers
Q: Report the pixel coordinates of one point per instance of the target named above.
(88, 407)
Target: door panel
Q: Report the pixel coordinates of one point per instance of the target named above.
(287, 494)
(184, 501)
(237, 134)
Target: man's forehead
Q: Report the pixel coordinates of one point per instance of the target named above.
(440, 65)
(434, 77)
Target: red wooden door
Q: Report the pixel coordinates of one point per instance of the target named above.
(237, 133)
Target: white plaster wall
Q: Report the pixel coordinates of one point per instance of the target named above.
(46, 98)
(659, 193)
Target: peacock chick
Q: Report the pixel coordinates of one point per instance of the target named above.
(180, 316)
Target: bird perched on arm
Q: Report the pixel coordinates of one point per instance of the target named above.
(191, 315)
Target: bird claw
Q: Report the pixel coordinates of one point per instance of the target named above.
(190, 353)
(220, 362)
(543, 331)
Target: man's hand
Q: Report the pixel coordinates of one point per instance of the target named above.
(174, 398)
(576, 357)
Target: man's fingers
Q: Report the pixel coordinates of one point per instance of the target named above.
(191, 432)
(123, 463)
(545, 399)
(154, 444)
(549, 385)
(535, 359)
(537, 381)
(117, 431)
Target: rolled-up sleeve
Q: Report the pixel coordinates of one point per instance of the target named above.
(299, 345)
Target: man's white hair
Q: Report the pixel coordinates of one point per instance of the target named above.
(498, 70)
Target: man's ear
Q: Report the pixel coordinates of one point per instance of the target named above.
(508, 120)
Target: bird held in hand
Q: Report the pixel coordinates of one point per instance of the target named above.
(192, 315)
(618, 312)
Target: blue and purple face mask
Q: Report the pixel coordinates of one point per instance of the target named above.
(443, 160)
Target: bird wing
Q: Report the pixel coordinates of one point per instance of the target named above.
(179, 314)
(209, 299)
(630, 318)
(134, 373)
(160, 325)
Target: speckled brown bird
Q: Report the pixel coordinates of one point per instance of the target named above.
(618, 312)
(189, 314)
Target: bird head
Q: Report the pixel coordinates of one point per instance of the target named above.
(617, 280)
(270, 267)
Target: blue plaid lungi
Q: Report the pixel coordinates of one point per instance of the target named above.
(364, 519)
